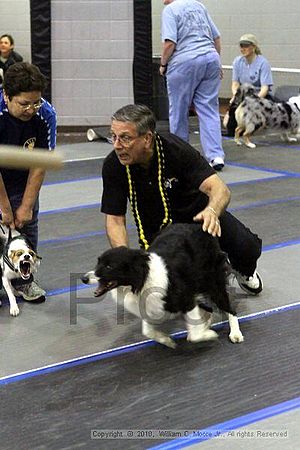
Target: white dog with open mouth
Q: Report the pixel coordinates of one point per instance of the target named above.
(18, 261)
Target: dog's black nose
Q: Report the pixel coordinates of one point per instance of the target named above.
(85, 279)
(27, 257)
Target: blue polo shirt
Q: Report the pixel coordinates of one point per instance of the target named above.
(38, 132)
(188, 24)
(257, 73)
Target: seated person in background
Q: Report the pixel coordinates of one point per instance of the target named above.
(7, 54)
(28, 121)
(251, 67)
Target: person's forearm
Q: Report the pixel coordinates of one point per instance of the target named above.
(167, 51)
(4, 200)
(217, 42)
(263, 91)
(234, 87)
(116, 231)
(218, 194)
(33, 186)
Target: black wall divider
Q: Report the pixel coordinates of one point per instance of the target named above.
(40, 19)
(142, 62)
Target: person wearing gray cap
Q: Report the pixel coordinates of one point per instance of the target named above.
(250, 67)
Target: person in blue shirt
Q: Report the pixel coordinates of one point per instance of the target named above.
(250, 67)
(190, 60)
(28, 121)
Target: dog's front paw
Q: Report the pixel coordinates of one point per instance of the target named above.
(196, 336)
(14, 311)
(163, 339)
(158, 336)
(238, 142)
(250, 145)
(236, 337)
(168, 342)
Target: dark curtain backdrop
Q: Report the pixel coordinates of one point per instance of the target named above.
(40, 19)
(142, 62)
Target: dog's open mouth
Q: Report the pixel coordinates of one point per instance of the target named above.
(25, 269)
(105, 287)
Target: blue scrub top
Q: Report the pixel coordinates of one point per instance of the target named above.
(257, 73)
(188, 24)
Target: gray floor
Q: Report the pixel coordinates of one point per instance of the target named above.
(265, 185)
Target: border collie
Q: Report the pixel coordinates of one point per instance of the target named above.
(183, 265)
(17, 261)
(254, 113)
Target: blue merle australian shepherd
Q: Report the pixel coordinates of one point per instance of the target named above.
(254, 113)
(182, 266)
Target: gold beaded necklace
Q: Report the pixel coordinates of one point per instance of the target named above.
(163, 194)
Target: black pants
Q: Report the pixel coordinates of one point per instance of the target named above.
(241, 245)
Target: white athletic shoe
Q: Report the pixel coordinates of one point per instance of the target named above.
(217, 164)
(253, 285)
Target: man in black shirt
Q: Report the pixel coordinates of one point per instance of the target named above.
(166, 180)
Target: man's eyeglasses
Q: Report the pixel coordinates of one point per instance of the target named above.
(36, 106)
(124, 139)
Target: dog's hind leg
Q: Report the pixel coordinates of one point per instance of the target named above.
(198, 323)
(246, 136)
(235, 334)
(247, 141)
(220, 297)
(151, 332)
(14, 309)
(287, 138)
(237, 135)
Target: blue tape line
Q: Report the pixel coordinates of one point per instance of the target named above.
(131, 347)
(74, 180)
(226, 427)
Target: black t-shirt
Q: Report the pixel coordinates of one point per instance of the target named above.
(185, 169)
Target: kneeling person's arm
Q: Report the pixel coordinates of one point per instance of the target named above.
(116, 230)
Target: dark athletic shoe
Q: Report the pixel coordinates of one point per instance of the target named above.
(217, 164)
(253, 285)
(32, 292)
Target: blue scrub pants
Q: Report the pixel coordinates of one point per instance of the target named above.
(197, 81)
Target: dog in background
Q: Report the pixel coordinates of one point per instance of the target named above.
(182, 265)
(17, 261)
(255, 113)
